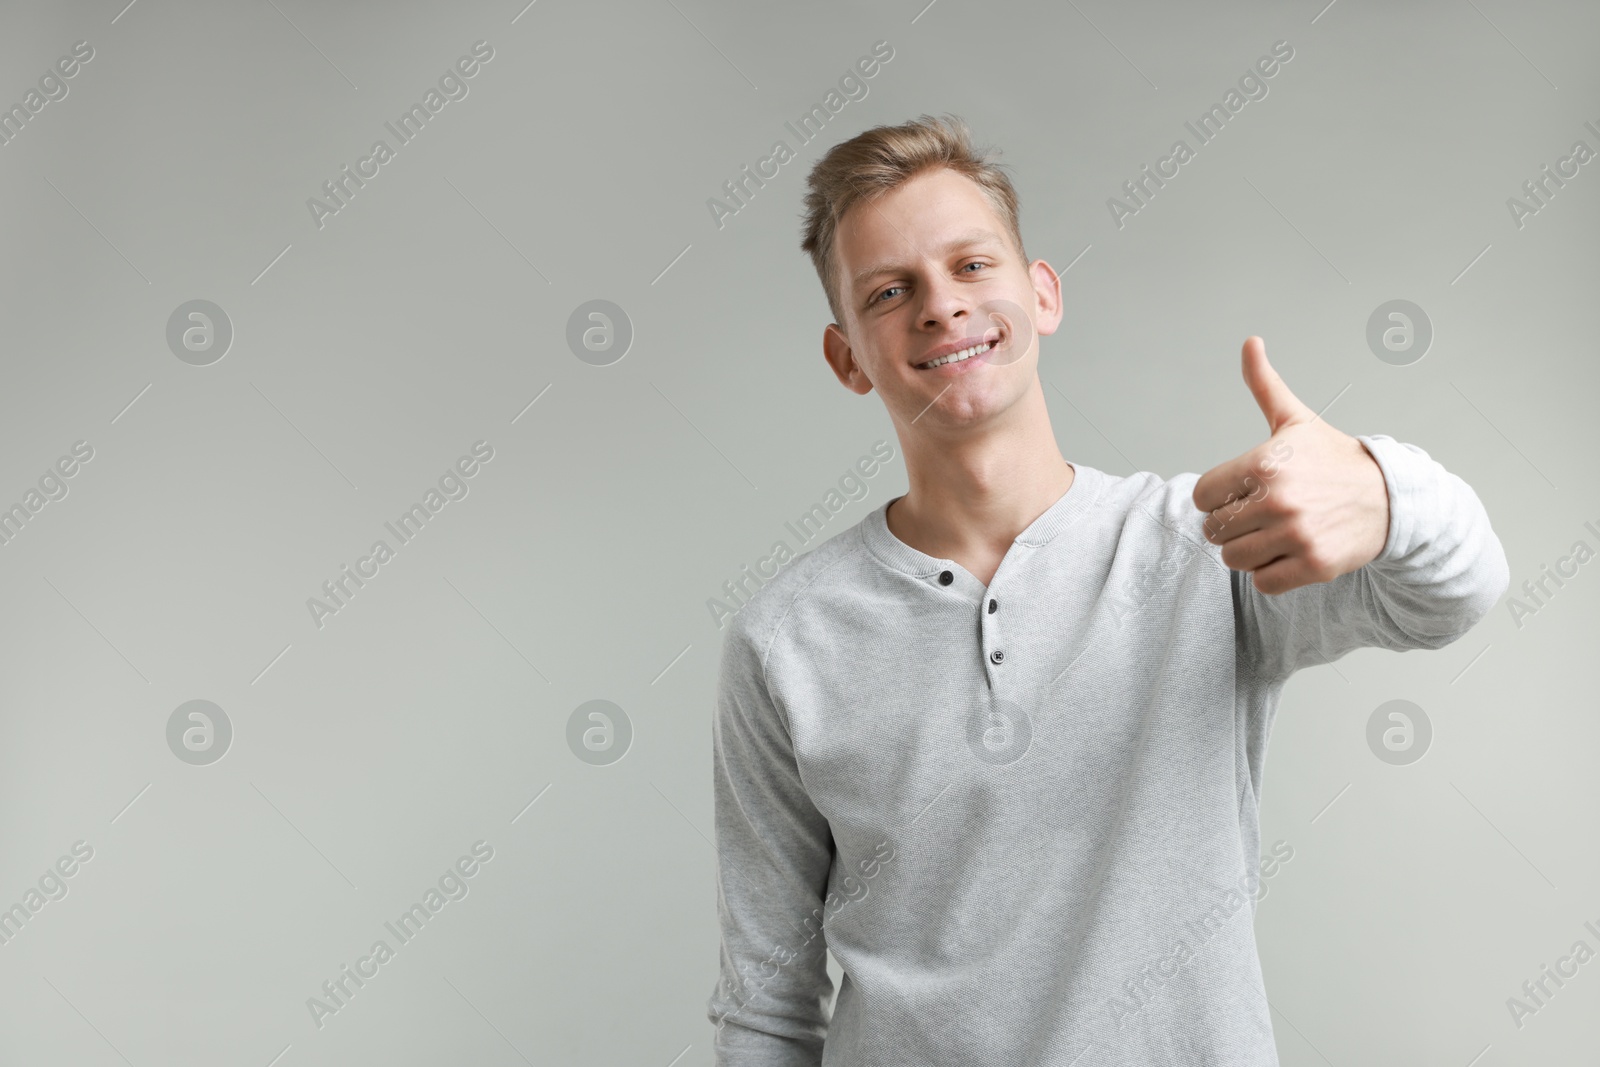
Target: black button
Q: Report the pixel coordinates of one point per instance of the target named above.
(996, 656)
(992, 606)
(945, 577)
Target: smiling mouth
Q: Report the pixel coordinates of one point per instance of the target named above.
(958, 357)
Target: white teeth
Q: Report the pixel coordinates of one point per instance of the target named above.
(957, 357)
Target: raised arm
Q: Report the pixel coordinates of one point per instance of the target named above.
(1339, 542)
(1440, 571)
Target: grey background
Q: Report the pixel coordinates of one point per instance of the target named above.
(368, 355)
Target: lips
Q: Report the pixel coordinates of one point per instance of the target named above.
(958, 347)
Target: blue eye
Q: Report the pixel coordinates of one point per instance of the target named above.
(879, 298)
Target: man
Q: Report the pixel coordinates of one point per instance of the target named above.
(1000, 745)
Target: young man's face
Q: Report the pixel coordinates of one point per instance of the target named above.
(939, 271)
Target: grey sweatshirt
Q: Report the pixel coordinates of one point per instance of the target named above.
(1025, 818)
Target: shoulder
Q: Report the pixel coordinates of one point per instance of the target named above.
(1147, 494)
(1148, 512)
(820, 572)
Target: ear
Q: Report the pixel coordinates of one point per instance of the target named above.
(837, 351)
(1047, 288)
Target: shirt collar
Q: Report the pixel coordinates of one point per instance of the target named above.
(1080, 497)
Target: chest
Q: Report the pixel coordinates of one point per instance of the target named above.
(1053, 683)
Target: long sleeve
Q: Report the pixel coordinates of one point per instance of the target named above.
(1441, 570)
(774, 854)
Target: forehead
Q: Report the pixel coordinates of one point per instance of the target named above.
(921, 217)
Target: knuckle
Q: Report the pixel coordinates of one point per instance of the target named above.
(1317, 558)
(1302, 539)
(1278, 502)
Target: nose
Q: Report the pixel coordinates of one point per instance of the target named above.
(944, 304)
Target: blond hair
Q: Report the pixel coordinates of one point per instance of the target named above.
(872, 163)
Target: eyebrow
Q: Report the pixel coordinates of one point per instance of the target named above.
(971, 237)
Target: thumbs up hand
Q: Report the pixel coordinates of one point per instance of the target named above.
(1306, 506)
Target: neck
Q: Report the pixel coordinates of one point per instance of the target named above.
(976, 491)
